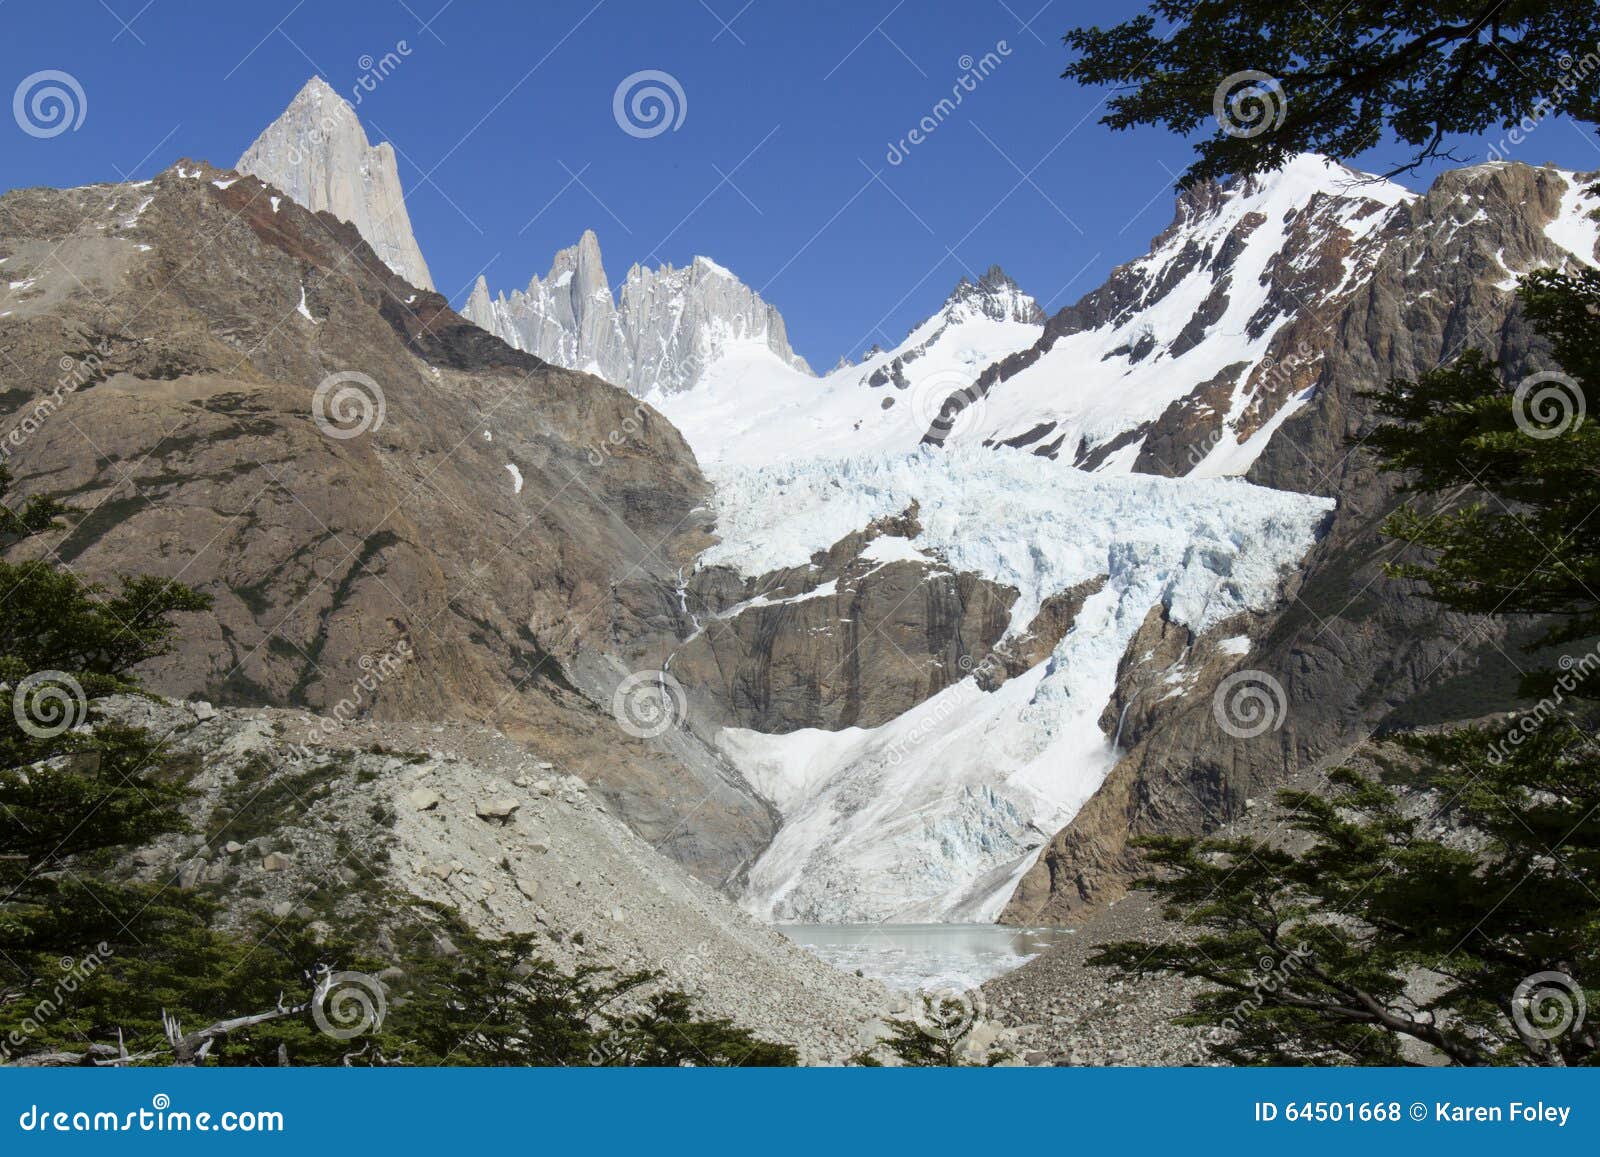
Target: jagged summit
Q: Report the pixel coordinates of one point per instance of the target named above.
(996, 296)
(319, 155)
(661, 332)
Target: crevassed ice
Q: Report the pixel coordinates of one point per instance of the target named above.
(934, 815)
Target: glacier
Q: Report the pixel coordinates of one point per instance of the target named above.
(934, 815)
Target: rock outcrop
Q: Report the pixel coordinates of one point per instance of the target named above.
(317, 153)
(849, 640)
(349, 848)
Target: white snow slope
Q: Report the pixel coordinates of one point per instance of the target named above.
(934, 815)
(1093, 387)
(750, 408)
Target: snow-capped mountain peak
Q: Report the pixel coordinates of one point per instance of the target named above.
(1201, 341)
(751, 407)
(661, 333)
(995, 296)
(318, 153)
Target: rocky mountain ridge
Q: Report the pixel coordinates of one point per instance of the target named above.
(751, 408)
(1179, 362)
(890, 652)
(349, 467)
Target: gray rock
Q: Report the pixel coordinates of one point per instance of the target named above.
(682, 317)
(318, 154)
(498, 809)
(423, 799)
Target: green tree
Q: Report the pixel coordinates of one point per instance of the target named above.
(499, 1002)
(1481, 943)
(67, 794)
(938, 1036)
(1527, 452)
(94, 969)
(1340, 78)
(86, 958)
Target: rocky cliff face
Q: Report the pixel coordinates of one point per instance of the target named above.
(903, 672)
(394, 511)
(659, 335)
(1351, 646)
(855, 638)
(317, 153)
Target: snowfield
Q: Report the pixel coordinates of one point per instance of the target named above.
(750, 408)
(934, 815)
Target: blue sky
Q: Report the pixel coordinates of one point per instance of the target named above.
(502, 116)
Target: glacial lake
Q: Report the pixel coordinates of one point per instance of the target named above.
(911, 956)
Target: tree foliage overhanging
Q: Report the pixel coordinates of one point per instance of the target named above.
(1341, 78)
